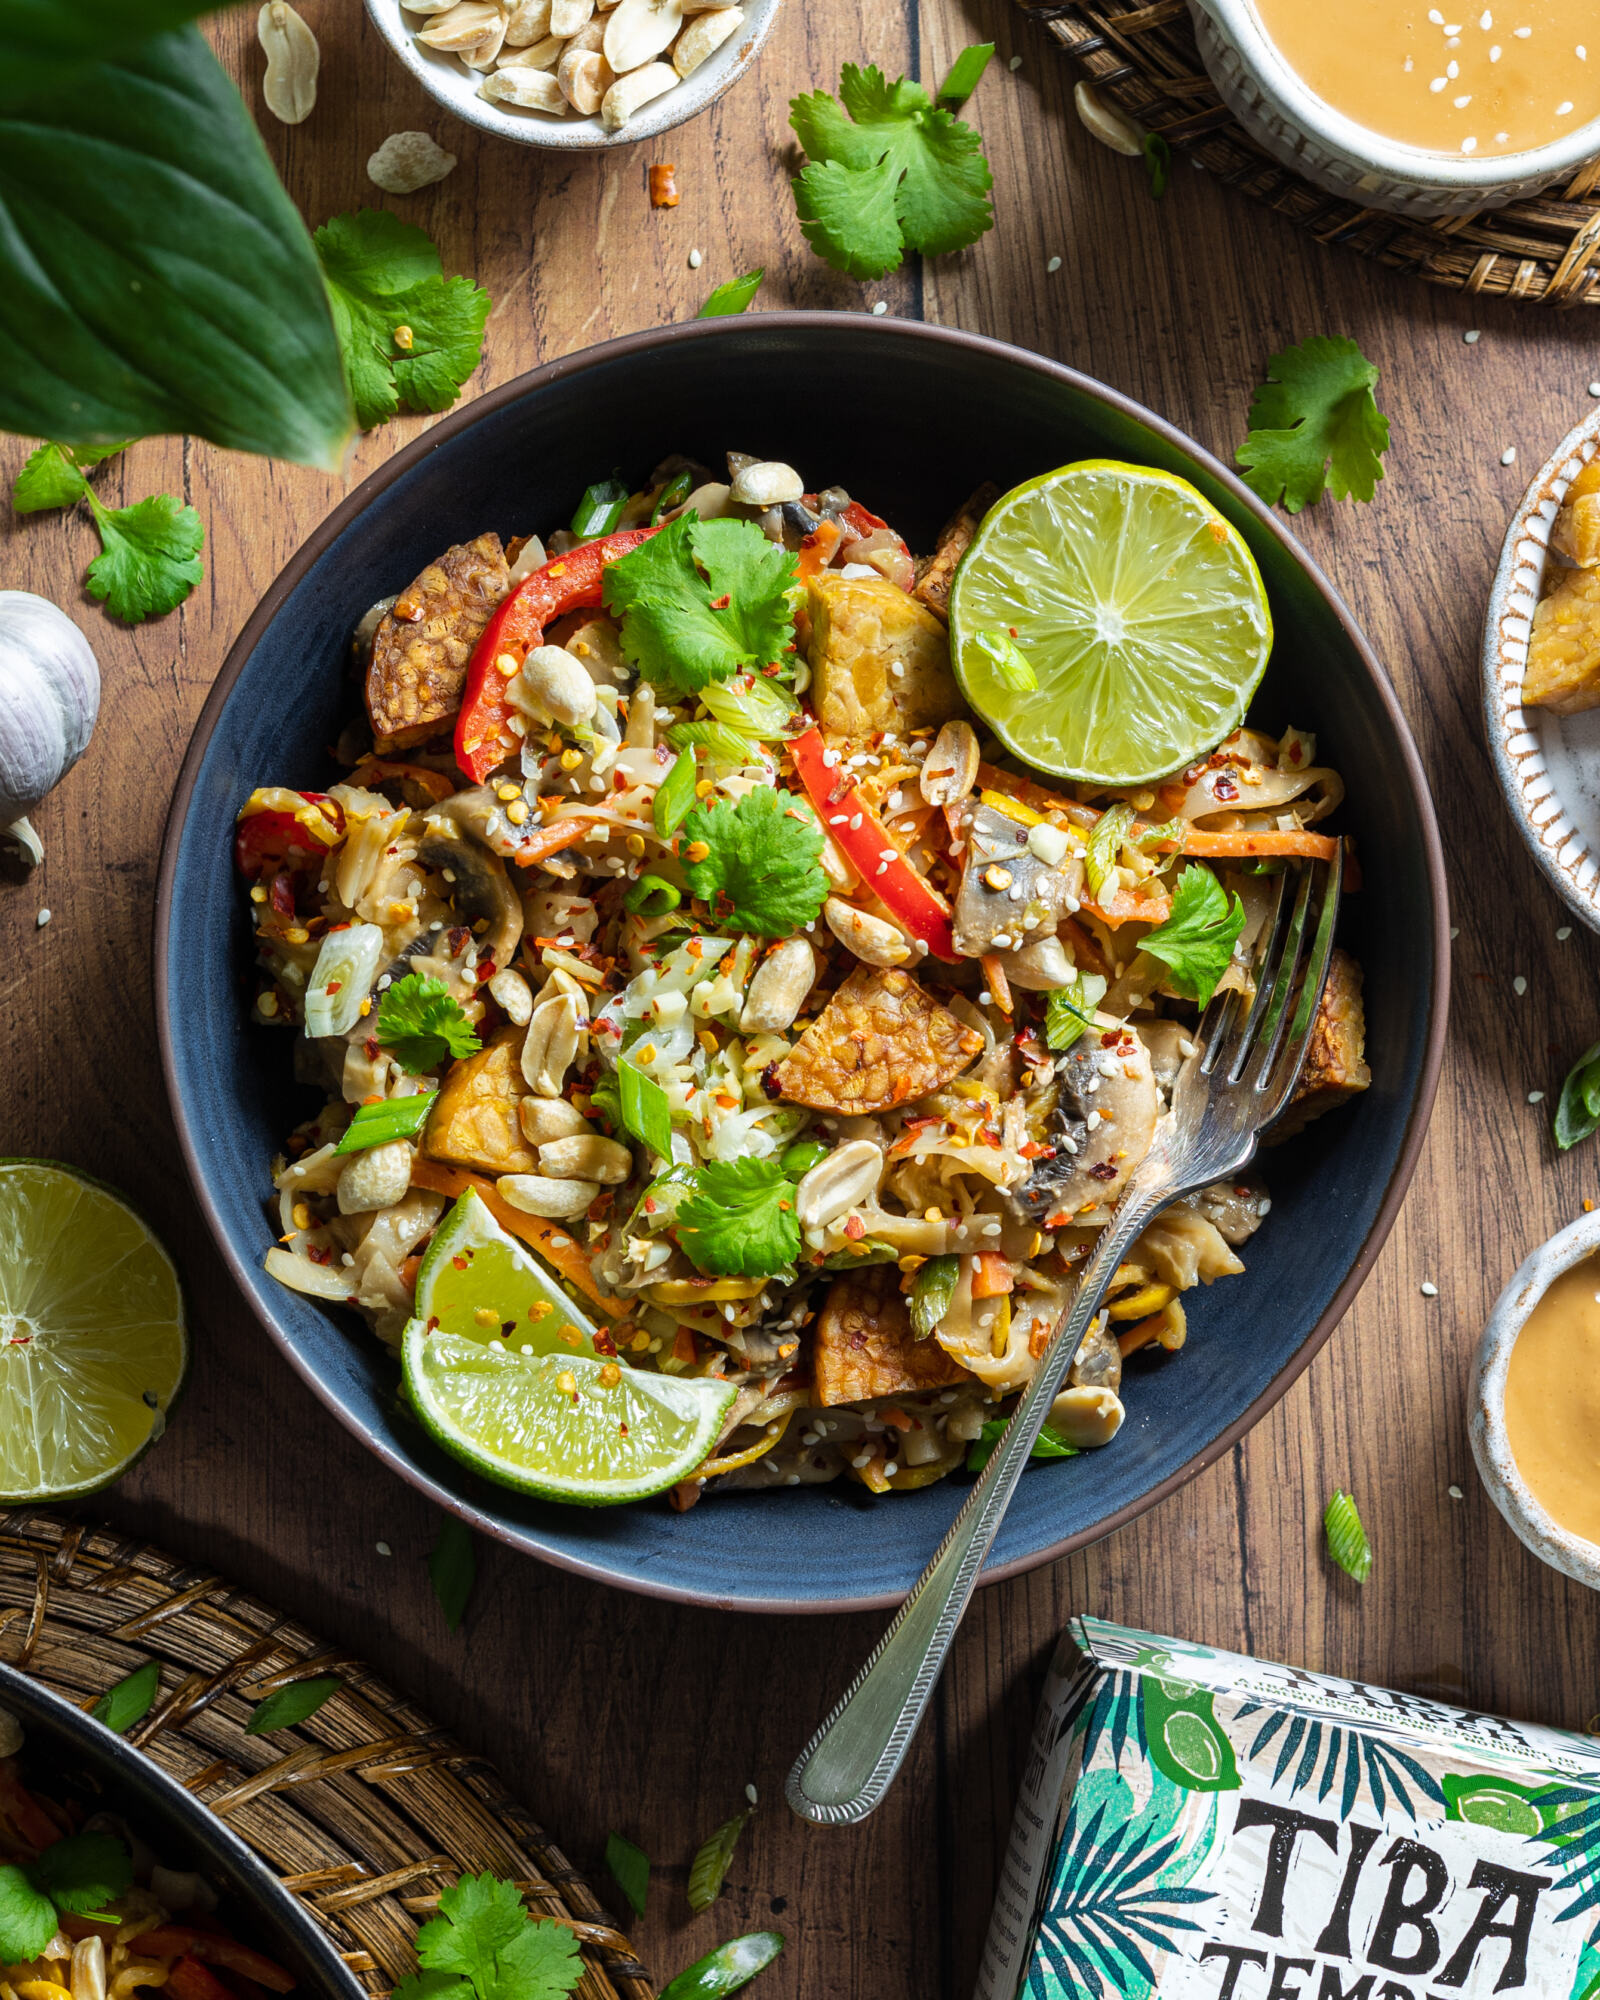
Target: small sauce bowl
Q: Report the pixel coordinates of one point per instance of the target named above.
(1288, 120)
(1491, 1444)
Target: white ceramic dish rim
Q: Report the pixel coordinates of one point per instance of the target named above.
(1296, 103)
(1519, 761)
(450, 85)
(1491, 1444)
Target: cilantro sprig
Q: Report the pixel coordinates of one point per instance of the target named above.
(700, 600)
(1578, 1109)
(755, 863)
(409, 335)
(1196, 941)
(77, 1876)
(890, 170)
(483, 1942)
(149, 557)
(1315, 427)
(740, 1220)
(420, 1024)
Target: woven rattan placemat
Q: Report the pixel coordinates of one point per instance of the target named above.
(365, 1812)
(1143, 58)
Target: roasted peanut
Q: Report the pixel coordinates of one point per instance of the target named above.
(950, 769)
(537, 1194)
(289, 88)
(776, 992)
(839, 1183)
(873, 939)
(586, 1158)
(546, 1118)
(704, 34)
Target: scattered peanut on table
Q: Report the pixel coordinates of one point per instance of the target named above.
(584, 57)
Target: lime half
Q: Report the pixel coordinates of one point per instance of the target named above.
(564, 1427)
(93, 1340)
(480, 1282)
(1139, 608)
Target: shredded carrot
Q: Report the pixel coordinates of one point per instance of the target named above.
(816, 551)
(550, 1239)
(1126, 908)
(999, 985)
(1240, 846)
(551, 839)
(992, 1278)
(892, 1414)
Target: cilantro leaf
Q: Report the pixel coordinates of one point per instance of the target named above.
(453, 1569)
(287, 1706)
(740, 1220)
(420, 1024)
(53, 476)
(700, 600)
(761, 872)
(1578, 1112)
(1069, 1010)
(1048, 1444)
(1196, 941)
(129, 1700)
(84, 1872)
(485, 1936)
(150, 552)
(27, 1918)
(630, 1870)
(150, 556)
(889, 170)
(409, 335)
(734, 295)
(1315, 426)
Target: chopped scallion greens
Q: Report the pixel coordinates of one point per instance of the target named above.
(675, 795)
(673, 494)
(733, 297)
(652, 896)
(1347, 1539)
(645, 1111)
(394, 1118)
(600, 509)
(931, 1292)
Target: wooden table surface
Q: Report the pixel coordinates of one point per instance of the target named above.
(609, 1711)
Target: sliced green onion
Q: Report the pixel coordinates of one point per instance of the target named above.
(762, 708)
(347, 963)
(675, 795)
(801, 1158)
(1157, 163)
(1105, 844)
(931, 1292)
(645, 1111)
(673, 494)
(1069, 1010)
(709, 1869)
(725, 745)
(652, 896)
(394, 1118)
(1347, 1539)
(966, 72)
(1012, 667)
(733, 297)
(726, 1969)
(1170, 832)
(600, 509)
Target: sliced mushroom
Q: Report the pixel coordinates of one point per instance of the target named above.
(480, 890)
(1008, 895)
(1097, 1114)
(1098, 1362)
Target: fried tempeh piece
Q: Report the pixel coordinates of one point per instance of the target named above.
(1335, 1068)
(879, 660)
(424, 641)
(879, 1041)
(475, 1123)
(863, 1347)
(955, 537)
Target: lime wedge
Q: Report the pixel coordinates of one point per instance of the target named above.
(93, 1340)
(564, 1427)
(1139, 609)
(481, 1283)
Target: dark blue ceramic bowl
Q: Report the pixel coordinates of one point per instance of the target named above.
(911, 418)
(61, 1743)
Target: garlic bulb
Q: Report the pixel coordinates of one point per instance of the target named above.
(49, 697)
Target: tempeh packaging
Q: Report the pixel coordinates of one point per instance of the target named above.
(1195, 1825)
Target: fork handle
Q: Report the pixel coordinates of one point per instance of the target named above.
(850, 1763)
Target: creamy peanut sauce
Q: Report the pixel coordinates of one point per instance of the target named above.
(1452, 79)
(1553, 1400)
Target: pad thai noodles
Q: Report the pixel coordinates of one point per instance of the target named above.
(673, 905)
(100, 1916)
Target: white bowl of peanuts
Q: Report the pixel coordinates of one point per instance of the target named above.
(575, 74)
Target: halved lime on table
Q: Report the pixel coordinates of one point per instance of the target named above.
(1138, 607)
(502, 1369)
(94, 1343)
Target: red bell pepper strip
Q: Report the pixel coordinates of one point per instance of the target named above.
(175, 1940)
(22, 1809)
(269, 837)
(864, 841)
(189, 1980)
(567, 583)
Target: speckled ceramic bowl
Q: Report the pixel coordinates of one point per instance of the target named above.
(1491, 1447)
(1548, 765)
(1296, 126)
(449, 82)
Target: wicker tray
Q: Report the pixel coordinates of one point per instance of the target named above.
(365, 1812)
(1144, 59)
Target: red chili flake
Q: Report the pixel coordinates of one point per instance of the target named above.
(855, 1229)
(1104, 1172)
(460, 1263)
(371, 1047)
(721, 603)
(664, 185)
(484, 971)
(1110, 1038)
(1225, 788)
(650, 1204)
(603, 1343)
(1033, 1151)
(770, 1085)
(318, 1255)
(334, 985)
(1296, 752)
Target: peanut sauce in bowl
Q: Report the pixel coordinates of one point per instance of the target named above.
(1552, 1400)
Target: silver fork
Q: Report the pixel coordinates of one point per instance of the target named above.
(1245, 1065)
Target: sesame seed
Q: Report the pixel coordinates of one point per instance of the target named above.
(1053, 265)
(1452, 70)
(1494, 53)
(1594, 388)
(861, 1458)
(1461, 104)
(1455, 932)
(383, 1549)
(1438, 83)
(1467, 145)
(1436, 17)
(880, 308)
(890, 1469)
(1581, 53)
(1455, 1493)
(1519, 986)
(1472, 338)
(1522, 34)
(1563, 934)
(1536, 1097)
(750, 1794)
(1509, 455)
(695, 260)
(1563, 109)
(1429, 1291)
(42, 919)
(1015, 63)
(1486, 20)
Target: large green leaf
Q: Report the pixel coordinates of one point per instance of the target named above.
(41, 40)
(154, 276)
